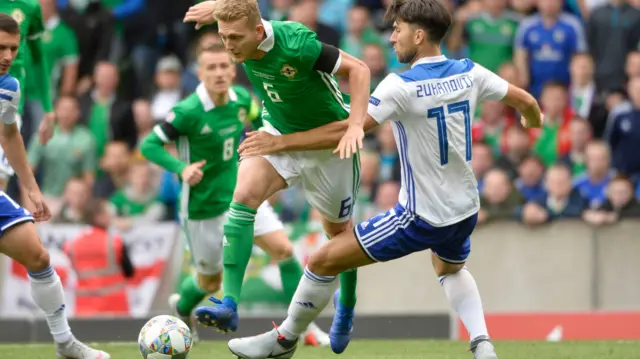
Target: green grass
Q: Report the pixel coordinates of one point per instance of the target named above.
(380, 350)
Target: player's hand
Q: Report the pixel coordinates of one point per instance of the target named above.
(201, 14)
(260, 143)
(526, 124)
(350, 142)
(40, 210)
(45, 132)
(192, 174)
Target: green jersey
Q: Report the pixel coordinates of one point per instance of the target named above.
(205, 132)
(60, 47)
(296, 95)
(28, 15)
(491, 39)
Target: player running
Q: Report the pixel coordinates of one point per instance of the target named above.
(207, 127)
(28, 15)
(18, 236)
(430, 108)
(293, 74)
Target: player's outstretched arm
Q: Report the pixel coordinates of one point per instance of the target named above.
(152, 148)
(526, 105)
(13, 146)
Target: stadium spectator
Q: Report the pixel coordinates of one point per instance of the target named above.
(374, 56)
(389, 157)
(115, 166)
(530, 178)
(498, 199)
(545, 43)
(624, 133)
(108, 116)
(620, 203)
(553, 140)
(517, 148)
(359, 32)
(94, 28)
(481, 161)
(523, 7)
(509, 72)
(71, 152)
(386, 197)
(489, 34)
(167, 87)
(580, 136)
(71, 207)
(493, 126)
(142, 116)
(585, 99)
(632, 65)
(102, 264)
(593, 183)
(612, 31)
(559, 202)
(137, 201)
(306, 12)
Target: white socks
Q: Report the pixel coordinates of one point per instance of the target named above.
(462, 291)
(312, 295)
(47, 293)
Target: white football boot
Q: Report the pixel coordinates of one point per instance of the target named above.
(75, 349)
(484, 350)
(190, 321)
(315, 337)
(267, 345)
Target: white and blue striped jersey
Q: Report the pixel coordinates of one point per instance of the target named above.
(430, 108)
(9, 101)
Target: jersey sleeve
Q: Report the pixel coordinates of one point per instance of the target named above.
(316, 55)
(387, 99)
(36, 25)
(9, 99)
(490, 85)
(70, 51)
(174, 125)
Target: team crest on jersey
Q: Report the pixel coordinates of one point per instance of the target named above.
(558, 35)
(288, 71)
(506, 30)
(18, 15)
(170, 117)
(46, 36)
(242, 115)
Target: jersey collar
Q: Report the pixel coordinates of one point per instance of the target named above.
(429, 60)
(267, 44)
(207, 102)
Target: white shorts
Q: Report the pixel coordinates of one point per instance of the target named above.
(204, 237)
(330, 183)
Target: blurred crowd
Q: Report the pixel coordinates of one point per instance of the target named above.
(121, 65)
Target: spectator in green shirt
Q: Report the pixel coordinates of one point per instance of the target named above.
(70, 153)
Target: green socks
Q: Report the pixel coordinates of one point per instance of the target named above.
(190, 295)
(348, 283)
(237, 248)
(290, 274)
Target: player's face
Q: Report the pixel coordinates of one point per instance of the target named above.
(9, 44)
(240, 38)
(403, 40)
(216, 71)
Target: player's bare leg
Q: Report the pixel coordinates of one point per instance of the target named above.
(22, 244)
(316, 288)
(344, 300)
(462, 291)
(278, 246)
(257, 181)
(193, 290)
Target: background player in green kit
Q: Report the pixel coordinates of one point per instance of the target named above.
(207, 127)
(293, 74)
(28, 15)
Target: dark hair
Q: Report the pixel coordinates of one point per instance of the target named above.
(430, 15)
(555, 84)
(93, 208)
(9, 25)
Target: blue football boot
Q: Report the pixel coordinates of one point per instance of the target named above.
(342, 326)
(223, 316)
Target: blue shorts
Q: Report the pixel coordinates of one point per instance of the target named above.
(11, 213)
(398, 233)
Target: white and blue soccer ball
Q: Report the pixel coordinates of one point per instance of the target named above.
(165, 337)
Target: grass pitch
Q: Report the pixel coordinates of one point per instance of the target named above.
(377, 350)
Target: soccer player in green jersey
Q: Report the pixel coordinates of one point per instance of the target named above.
(207, 127)
(293, 74)
(28, 15)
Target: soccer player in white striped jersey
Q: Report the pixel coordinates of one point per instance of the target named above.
(430, 107)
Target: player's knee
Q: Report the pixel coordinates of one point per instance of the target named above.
(209, 283)
(37, 261)
(321, 264)
(334, 229)
(282, 251)
(250, 197)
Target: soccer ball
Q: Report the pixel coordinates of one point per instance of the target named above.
(165, 337)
